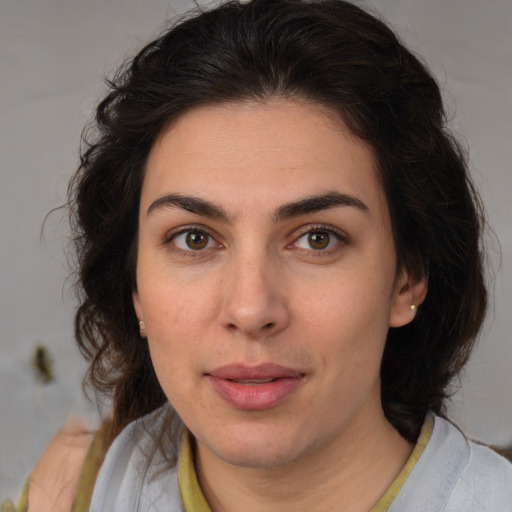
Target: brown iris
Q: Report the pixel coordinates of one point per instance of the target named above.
(319, 239)
(197, 240)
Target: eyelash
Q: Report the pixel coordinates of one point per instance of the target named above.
(341, 237)
(169, 240)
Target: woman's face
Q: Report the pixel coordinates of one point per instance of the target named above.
(266, 278)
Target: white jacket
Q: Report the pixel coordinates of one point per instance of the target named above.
(452, 474)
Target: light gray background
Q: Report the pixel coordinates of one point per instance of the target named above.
(53, 55)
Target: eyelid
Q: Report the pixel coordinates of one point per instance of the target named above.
(308, 228)
(171, 234)
(296, 235)
(185, 229)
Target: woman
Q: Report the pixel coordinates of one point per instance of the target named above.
(280, 274)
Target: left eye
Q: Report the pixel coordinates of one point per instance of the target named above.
(318, 240)
(193, 240)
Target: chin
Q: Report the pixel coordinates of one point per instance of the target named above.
(257, 457)
(262, 448)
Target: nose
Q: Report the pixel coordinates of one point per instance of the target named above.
(254, 298)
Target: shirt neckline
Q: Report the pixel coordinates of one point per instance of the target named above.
(193, 498)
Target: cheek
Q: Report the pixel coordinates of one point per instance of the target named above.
(180, 343)
(349, 322)
(348, 304)
(177, 320)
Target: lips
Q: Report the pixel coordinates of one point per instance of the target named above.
(254, 388)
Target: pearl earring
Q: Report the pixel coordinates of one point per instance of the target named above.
(142, 328)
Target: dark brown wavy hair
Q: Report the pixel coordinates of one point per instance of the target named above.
(330, 53)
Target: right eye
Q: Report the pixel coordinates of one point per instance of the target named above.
(193, 240)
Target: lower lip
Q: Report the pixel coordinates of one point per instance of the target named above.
(255, 397)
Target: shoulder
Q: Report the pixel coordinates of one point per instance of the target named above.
(485, 482)
(136, 474)
(478, 478)
(54, 480)
(455, 474)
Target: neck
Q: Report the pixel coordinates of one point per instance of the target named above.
(350, 473)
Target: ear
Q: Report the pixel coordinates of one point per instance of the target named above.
(137, 306)
(410, 290)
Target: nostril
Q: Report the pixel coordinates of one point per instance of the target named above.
(264, 328)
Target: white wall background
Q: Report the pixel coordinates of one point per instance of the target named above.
(53, 55)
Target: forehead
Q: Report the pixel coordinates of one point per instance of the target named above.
(239, 152)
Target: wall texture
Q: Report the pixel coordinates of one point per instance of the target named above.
(53, 55)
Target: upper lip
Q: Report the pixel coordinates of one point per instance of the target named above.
(260, 371)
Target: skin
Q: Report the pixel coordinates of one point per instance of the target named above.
(54, 480)
(259, 292)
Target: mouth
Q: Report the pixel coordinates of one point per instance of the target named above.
(250, 382)
(255, 388)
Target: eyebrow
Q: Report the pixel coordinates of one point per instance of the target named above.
(190, 204)
(303, 206)
(318, 203)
